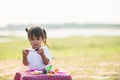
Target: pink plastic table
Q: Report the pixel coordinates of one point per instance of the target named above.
(27, 76)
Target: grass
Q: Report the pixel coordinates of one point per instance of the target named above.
(90, 58)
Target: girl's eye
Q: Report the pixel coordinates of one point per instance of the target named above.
(38, 39)
(32, 39)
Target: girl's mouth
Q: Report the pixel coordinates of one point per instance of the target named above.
(35, 44)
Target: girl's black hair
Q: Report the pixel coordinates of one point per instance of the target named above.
(37, 32)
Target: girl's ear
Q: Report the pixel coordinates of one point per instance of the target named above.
(26, 29)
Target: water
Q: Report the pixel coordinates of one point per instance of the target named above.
(59, 33)
(65, 32)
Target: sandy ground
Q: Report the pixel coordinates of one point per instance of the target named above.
(9, 67)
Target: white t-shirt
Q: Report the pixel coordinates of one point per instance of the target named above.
(35, 60)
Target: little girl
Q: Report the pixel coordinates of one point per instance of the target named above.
(37, 57)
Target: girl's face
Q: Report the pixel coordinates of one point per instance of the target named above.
(35, 42)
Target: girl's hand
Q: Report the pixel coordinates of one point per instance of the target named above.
(40, 51)
(25, 52)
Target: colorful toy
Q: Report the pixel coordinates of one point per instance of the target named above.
(56, 70)
(44, 71)
(48, 68)
(36, 72)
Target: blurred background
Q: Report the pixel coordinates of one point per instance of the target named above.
(83, 31)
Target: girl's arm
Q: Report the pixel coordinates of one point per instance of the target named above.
(44, 58)
(25, 61)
